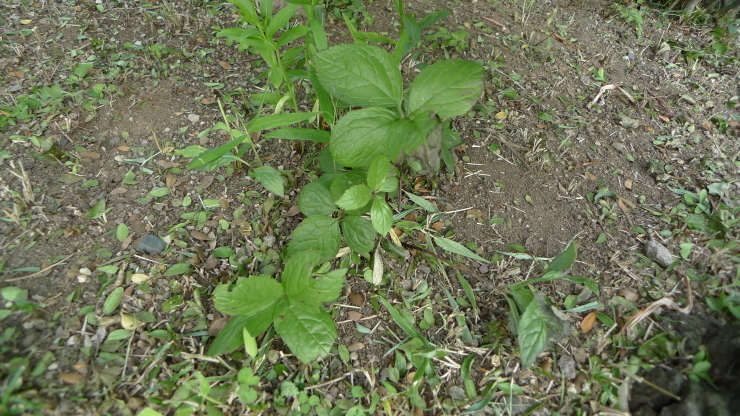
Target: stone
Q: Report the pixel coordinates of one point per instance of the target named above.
(658, 253)
(150, 244)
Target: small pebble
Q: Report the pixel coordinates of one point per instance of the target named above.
(269, 240)
(193, 118)
(150, 244)
(658, 253)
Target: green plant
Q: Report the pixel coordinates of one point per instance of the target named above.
(293, 305)
(631, 14)
(445, 39)
(534, 318)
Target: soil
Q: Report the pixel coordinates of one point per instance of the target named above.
(534, 154)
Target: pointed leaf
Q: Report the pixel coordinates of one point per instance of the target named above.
(360, 75)
(378, 172)
(532, 333)
(457, 248)
(361, 135)
(280, 19)
(296, 275)
(278, 120)
(564, 260)
(249, 296)
(309, 334)
(381, 215)
(288, 133)
(271, 179)
(318, 233)
(355, 197)
(448, 88)
(315, 199)
(328, 287)
(231, 338)
(358, 233)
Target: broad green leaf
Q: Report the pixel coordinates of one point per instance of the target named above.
(248, 296)
(318, 232)
(358, 233)
(378, 171)
(326, 103)
(381, 215)
(247, 11)
(223, 252)
(341, 182)
(121, 232)
(404, 137)
(532, 333)
(457, 248)
(179, 268)
(113, 301)
(433, 18)
(448, 88)
(278, 120)
(315, 199)
(328, 287)
(707, 224)
(289, 133)
(271, 179)
(98, 210)
(296, 274)
(564, 260)
(360, 75)
(355, 197)
(148, 411)
(309, 334)
(410, 37)
(230, 337)
(361, 135)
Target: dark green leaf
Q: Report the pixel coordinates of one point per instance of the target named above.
(360, 75)
(309, 333)
(206, 159)
(378, 171)
(315, 199)
(457, 248)
(448, 88)
(403, 323)
(248, 296)
(318, 233)
(230, 337)
(179, 268)
(358, 233)
(381, 215)
(360, 136)
(296, 274)
(532, 333)
(271, 179)
(328, 287)
(278, 120)
(564, 260)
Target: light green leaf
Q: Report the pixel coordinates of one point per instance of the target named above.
(315, 199)
(457, 248)
(532, 333)
(296, 274)
(278, 120)
(121, 232)
(223, 252)
(355, 197)
(358, 233)
(564, 260)
(230, 337)
(271, 179)
(290, 133)
(318, 232)
(280, 19)
(249, 296)
(423, 203)
(328, 287)
(214, 158)
(179, 268)
(98, 210)
(406, 325)
(360, 75)
(113, 301)
(292, 34)
(158, 192)
(381, 215)
(378, 171)
(361, 135)
(448, 88)
(148, 411)
(250, 344)
(309, 333)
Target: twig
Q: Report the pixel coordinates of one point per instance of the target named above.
(16, 279)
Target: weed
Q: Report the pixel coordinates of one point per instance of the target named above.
(632, 14)
(445, 39)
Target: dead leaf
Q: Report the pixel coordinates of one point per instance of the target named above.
(293, 211)
(205, 182)
(707, 125)
(623, 206)
(166, 164)
(587, 324)
(665, 119)
(123, 148)
(71, 378)
(90, 155)
(629, 295)
(199, 235)
(354, 315)
(628, 183)
(225, 65)
(70, 178)
(437, 226)
(356, 299)
(217, 325)
(118, 191)
(591, 176)
(208, 100)
(170, 179)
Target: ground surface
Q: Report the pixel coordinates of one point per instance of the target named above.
(539, 166)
